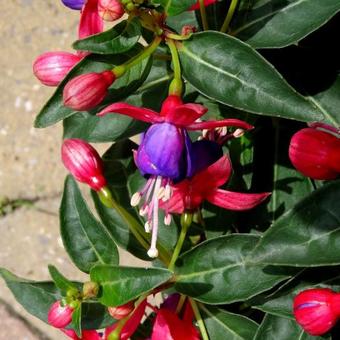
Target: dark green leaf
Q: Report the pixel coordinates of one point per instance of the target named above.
(210, 270)
(86, 240)
(178, 21)
(174, 7)
(60, 280)
(307, 235)
(281, 23)
(76, 320)
(95, 316)
(35, 297)
(273, 327)
(232, 73)
(221, 324)
(116, 40)
(122, 284)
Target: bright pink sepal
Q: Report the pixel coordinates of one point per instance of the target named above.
(83, 162)
(90, 21)
(131, 325)
(168, 326)
(51, 67)
(196, 6)
(85, 334)
(317, 310)
(189, 194)
(59, 316)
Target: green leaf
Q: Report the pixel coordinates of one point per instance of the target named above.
(210, 270)
(95, 316)
(227, 70)
(120, 285)
(35, 297)
(76, 320)
(60, 280)
(271, 24)
(273, 327)
(174, 7)
(328, 101)
(86, 240)
(116, 40)
(221, 324)
(54, 110)
(178, 21)
(307, 235)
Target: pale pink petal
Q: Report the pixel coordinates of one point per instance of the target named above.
(236, 200)
(185, 114)
(135, 112)
(219, 123)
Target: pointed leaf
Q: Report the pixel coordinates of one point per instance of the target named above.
(87, 241)
(120, 285)
(234, 74)
(307, 235)
(174, 7)
(208, 271)
(76, 320)
(221, 324)
(281, 23)
(60, 280)
(116, 40)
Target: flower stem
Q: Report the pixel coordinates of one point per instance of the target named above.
(186, 220)
(203, 15)
(199, 320)
(229, 16)
(180, 304)
(176, 85)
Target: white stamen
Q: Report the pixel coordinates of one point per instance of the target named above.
(147, 227)
(144, 210)
(238, 133)
(135, 199)
(167, 219)
(224, 131)
(161, 193)
(153, 252)
(167, 193)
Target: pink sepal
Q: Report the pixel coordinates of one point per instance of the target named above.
(85, 334)
(219, 123)
(185, 114)
(90, 21)
(196, 6)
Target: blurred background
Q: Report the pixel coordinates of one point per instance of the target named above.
(31, 173)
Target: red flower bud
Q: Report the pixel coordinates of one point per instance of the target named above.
(315, 153)
(317, 310)
(51, 67)
(121, 311)
(59, 316)
(110, 10)
(84, 163)
(188, 29)
(87, 90)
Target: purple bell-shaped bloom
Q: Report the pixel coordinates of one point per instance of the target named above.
(74, 4)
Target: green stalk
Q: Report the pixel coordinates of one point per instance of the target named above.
(176, 86)
(203, 16)
(229, 16)
(199, 320)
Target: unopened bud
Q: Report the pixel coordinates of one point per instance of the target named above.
(90, 289)
(83, 162)
(86, 91)
(188, 30)
(51, 67)
(110, 10)
(59, 316)
(121, 311)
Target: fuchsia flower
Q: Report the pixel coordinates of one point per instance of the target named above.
(51, 67)
(85, 334)
(162, 155)
(204, 185)
(196, 6)
(86, 91)
(59, 316)
(74, 4)
(90, 21)
(317, 310)
(110, 10)
(84, 163)
(316, 153)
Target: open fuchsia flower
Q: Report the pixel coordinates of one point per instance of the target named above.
(196, 6)
(51, 67)
(317, 310)
(59, 316)
(84, 163)
(161, 155)
(315, 152)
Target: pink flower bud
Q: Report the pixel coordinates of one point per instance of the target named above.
(84, 163)
(121, 311)
(315, 153)
(188, 29)
(51, 67)
(59, 316)
(110, 10)
(87, 90)
(317, 310)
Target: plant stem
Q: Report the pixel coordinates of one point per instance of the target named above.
(180, 304)
(203, 16)
(229, 16)
(176, 86)
(186, 220)
(198, 317)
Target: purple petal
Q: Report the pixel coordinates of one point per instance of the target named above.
(74, 4)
